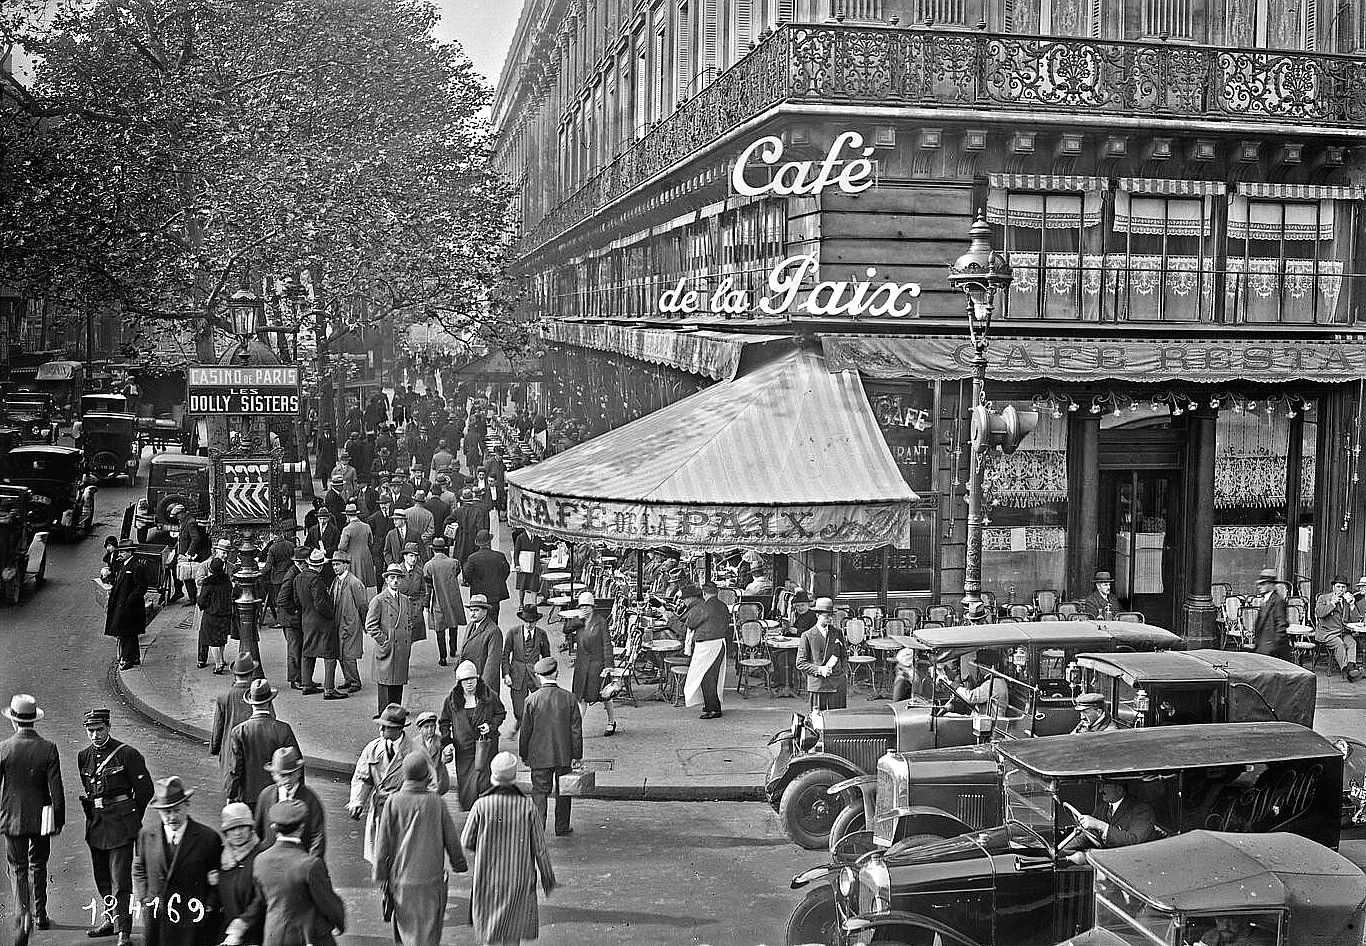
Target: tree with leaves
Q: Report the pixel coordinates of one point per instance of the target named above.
(163, 153)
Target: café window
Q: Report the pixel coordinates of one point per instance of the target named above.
(1160, 261)
(1286, 253)
(1025, 541)
(1052, 231)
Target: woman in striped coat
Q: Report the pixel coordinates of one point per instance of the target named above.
(507, 838)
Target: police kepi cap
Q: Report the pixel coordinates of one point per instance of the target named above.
(96, 717)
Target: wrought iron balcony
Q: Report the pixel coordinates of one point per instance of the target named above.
(878, 66)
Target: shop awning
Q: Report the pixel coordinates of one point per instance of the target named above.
(711, 354)
(1014, 358)
(785, 458)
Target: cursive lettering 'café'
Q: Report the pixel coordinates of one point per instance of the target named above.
(1185, 313)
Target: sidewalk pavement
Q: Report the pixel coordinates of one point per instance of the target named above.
(660, 752)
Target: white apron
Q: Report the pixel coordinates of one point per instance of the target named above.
(703, 654)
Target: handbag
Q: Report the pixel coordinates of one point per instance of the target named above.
(484, 751)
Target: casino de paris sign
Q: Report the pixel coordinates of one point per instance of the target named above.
(244, 390)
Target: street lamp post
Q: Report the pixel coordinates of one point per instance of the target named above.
(979, 274)
(246, 605)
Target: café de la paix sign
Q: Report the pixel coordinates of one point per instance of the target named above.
(793, 288)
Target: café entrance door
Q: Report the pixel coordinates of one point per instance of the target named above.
(1140, 521)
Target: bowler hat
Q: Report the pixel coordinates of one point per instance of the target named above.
(170, 792)
(503, 770)
(23, 709)
(1338, 580)
(546, 667)
(393, 715)
(286, 814)
(478, 601)
(1089, 699)
(259, 693)
(530, 613)
(285, 760)
(96, 717)
(1102, 576)
(438, 544)
(244, 665)
(824, 606)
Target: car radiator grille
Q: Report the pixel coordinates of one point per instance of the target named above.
(863, 751)
(972, 810)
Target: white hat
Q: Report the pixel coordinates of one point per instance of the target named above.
(586, 599)
(503, 770)
(466, 671)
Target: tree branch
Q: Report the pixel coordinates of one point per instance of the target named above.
(232, 261)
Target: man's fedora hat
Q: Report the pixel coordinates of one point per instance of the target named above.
(529, 613)
(824, 606)
(259, 693)
(243, 666)
(23, 709)
(478, 601)
(301, 553)
(285, 760)
(170, 792)
(1102, 576)
(317, 557)
(286, 814)
(393, 715)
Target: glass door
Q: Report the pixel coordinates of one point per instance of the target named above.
(1140, 521)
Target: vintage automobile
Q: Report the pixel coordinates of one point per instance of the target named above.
(103, 404)
(1267, 889)
(63, 492)
(1018, 883)
(65, 381)
(175, 428)
(10, 437)
(33, 415)
(23, 548)
(831, 746)
(172, 479)
(944, 792)
(1199, 686)
(111, 446)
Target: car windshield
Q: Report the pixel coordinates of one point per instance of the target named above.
(967, 846)
(1131, 918)
(1030, 802)
(1171, 705)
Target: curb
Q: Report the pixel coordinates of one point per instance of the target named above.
(644, 791)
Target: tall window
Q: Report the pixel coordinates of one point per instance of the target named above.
(1160, 265)
(640, 87)
(1170, 18)
(1285, 256)
(1053, 240)
(659, 70)
(1276, 24)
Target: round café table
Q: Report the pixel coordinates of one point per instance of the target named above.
(549, 580)
(660, 649)
(885, 648)
(785, 660)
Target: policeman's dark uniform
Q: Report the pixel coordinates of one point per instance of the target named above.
(117, 791)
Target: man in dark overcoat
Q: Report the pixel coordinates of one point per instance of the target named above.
(32, 809)
(1269, 632)
(486, 571)
(287, 771)
(117, 790)
(326, 534)
(178, 857)
(231, 707)
(483, 644)
(294, 899)
(126, 616)
(279, 564)
(252, 745)
(291, 619)
(551, 741)
(471, 518)
(318, 616)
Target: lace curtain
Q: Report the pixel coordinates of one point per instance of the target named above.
(1036, 473)
(1250, 459)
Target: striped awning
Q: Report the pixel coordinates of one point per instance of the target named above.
(785, 458)
(1302, 191)
(1151, 185)
(712, 354)
(1047, 182)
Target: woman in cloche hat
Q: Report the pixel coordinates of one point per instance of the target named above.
(470, 719)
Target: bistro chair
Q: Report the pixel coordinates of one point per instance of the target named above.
(782, 604)
(1218, 592)
(943, 614)
(873, 615)
(1067, 610)
(1131, 617)
(753, 658)
(911, 616)
(1235, 637)
(1019, 612)
(897, 626)
(842, 615)
(1295, 613)
(1247, 623)
(931, 624)
(885, 650)
(747, 611)
(1046, 601)
(1232, 605)
(1303, 646)
(855, 636)
(1304, 588)
(729, 597)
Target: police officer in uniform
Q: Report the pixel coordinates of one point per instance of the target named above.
(117, 791)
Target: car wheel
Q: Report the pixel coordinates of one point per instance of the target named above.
(806, 811)
(847, 822)
(815, 920)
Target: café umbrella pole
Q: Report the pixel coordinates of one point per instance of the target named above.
(640, 574)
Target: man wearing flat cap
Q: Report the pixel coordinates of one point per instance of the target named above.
(117, 789)
(32, 809)
(178, 857)
(1101, 603)
(1270, 630)
(294, 900)
(1095, 715)
(704, 626)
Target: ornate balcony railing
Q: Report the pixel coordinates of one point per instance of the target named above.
(862, 65)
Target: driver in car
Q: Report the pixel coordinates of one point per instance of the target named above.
(989, 695)
(1118, 821)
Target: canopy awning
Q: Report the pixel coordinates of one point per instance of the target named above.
(785, 458)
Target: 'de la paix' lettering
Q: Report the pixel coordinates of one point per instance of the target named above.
(785, 295)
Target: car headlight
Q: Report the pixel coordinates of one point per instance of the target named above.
(848, 881)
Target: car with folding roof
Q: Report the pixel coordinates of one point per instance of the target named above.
(32, 414)
(63, 499)
(23, 547)
(1018, 882)
(1216, 887)
(111, 445)
(831, 746)
(950, 790)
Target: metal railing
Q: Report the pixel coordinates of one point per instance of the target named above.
(875, 66)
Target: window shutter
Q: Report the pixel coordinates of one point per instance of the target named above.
(1097, 16)
(1311, 25)
(787, 11)
(709, 41)
(682, 54)
(744, 27)
(1008, 16)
